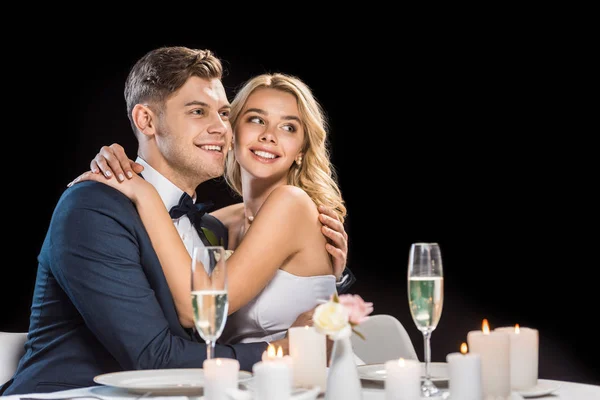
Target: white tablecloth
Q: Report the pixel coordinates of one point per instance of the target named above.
(371, 391)
(566, 391)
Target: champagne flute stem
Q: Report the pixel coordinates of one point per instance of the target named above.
(428, 389)
(210, 349)
(427, 352)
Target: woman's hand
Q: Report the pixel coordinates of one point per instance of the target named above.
(112, 161)
(133, 188)
(337, 244)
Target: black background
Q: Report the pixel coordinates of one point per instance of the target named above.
(458, 137)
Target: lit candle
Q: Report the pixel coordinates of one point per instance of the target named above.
(402, 379)
(270, 355)
(464, 375)
(309, 357)
(272, 380)
(220, 375)
(524, 348)
(494, 350)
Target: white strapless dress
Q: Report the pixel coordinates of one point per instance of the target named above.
(269, 315)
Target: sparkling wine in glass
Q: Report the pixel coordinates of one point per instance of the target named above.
(209, 294)
(426, 298)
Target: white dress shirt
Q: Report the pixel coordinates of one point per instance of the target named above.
(170, 195)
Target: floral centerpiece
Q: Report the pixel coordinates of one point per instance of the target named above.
(338, 318)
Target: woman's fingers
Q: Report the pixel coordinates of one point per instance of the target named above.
(86, 176)
(112, 161)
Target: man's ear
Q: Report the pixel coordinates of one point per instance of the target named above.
(144, 119)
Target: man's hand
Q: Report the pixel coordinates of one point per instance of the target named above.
(337, 239)
(304, 319)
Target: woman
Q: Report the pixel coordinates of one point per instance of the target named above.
(280, 166)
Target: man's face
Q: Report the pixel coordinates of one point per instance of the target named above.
(194, 133)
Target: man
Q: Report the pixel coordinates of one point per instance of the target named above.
(101, 302)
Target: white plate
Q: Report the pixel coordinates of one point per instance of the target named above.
(376, 372)
(542, 388)
(176, 381)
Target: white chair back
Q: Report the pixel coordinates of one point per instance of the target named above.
(11, 350)
(385, 339)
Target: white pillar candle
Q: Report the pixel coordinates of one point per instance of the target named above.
(402, 379)
(272, 380)
(464, 375)
(524, 349)
(220, 375)
(494, 350)
(309, 357)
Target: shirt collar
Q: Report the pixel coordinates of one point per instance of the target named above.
(168, 192)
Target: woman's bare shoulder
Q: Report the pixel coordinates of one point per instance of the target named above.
(289, 192)
(289, 197)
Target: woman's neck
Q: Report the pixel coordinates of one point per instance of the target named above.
(254, 194)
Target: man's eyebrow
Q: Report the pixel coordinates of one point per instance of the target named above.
(196, 103)
(203, 104)
(263, 112)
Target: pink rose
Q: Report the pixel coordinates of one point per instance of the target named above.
(357, 308)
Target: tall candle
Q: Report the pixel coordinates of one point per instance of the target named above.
(464, 375)
(524, 349)
(494, 350)
(272, 380)
(402, 379)
(220, 375)
(309, 357)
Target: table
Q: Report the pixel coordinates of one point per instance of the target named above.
(566, 391)
(371, 391)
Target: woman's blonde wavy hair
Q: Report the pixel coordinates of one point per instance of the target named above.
(316, 175)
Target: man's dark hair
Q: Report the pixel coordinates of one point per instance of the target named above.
(161, 72)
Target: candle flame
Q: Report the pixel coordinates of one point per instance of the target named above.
(463, 348)
(218, 361)
(517, 329)
(271, 351)
(280, 352)
(401, 362)
(305, 326)
(485, 327)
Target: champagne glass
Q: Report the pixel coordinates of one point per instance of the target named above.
(426, 298)
(209, 294)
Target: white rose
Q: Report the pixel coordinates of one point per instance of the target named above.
(332, 319)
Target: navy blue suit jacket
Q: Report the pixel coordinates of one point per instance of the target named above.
(101, 302)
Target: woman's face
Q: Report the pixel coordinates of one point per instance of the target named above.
(268, 134)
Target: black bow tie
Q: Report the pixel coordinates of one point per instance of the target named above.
(187, 207)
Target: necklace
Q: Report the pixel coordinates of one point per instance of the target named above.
(244, 227)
